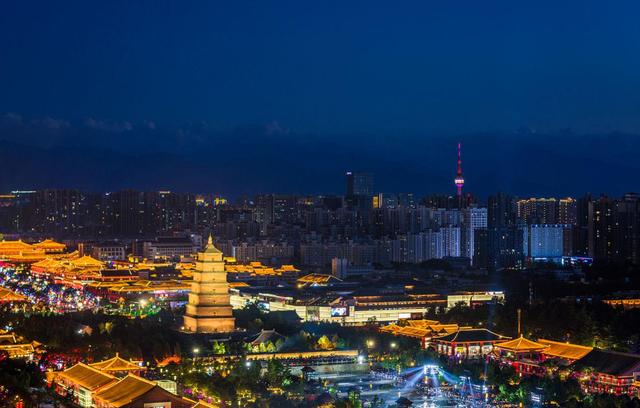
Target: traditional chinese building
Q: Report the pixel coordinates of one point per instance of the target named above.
(137, 392)
(8, 296)
(90, 387)
(522, 354)
(17, 347)
(80, 383)
(467, 343)
(421, 329)
(564, 353)
(209, 308)
(604, 371)
(118, 366)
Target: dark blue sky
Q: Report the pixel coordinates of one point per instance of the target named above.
(389, 75)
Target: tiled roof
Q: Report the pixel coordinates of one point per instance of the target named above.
(125, 391)
(471, 336)
(86, 376)
(610, 362)
(521, 345)
(564, 350)
(117, 364)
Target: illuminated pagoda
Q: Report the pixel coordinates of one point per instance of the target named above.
(209, 308)
(118, 366)
(523, 354)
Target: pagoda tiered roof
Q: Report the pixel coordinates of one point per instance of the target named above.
(117, 364)
(521, 345)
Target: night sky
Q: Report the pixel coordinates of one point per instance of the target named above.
(246, 97)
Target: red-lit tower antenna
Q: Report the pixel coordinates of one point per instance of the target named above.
(459, 180)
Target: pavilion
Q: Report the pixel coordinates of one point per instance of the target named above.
(118, 366)
(424, 330)
(467, 343)
(133, 391)
(523, 354)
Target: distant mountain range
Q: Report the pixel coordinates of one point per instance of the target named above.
(102, 156)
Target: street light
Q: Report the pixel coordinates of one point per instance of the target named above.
(393, 344)
(370, 343)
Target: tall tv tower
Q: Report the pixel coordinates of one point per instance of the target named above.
(459, 180)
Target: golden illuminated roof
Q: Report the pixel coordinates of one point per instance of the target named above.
(124, 391)
(521, 345)
(422, 323)
(15, 245)
(318, 278)
(86, 262)
(50, 245)
(564, 350)
(8, 296)
(86, 376)
(258, 269)
(117, 364)
(421, 328)
(238, 284)
(210, 248)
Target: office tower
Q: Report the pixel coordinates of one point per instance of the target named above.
(359, 184)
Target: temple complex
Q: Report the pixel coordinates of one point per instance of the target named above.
(209, 308)
(23, 252)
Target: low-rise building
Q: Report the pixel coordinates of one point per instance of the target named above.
(170, 248)
(109, 251)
